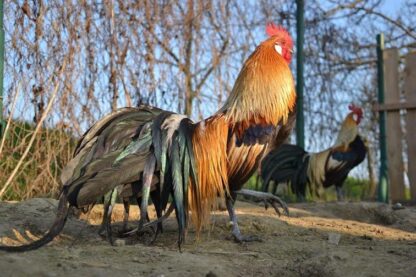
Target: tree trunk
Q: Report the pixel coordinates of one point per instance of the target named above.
(188, 35)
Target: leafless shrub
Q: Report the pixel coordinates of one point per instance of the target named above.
(178, 55)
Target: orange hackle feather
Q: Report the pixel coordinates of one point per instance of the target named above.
(209, 142)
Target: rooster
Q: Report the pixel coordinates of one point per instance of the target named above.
(194, 162)
(290, 163)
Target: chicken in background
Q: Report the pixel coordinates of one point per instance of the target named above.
(292, 164)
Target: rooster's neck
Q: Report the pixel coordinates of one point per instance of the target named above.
(263, 92)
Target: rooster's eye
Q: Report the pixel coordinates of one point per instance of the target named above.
(278, 48)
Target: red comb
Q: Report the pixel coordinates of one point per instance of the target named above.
(273, 30)
(355, 109)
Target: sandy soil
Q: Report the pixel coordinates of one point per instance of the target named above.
(319, 239)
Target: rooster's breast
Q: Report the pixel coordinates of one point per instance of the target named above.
(243, 161)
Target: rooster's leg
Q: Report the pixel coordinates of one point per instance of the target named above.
(144, 215)
(103, 225)
(155, 195)
(238, 237)
(153, 223)
(267, 198)
(109, 201)
(340, 193)
(300, 197)
(148, 172)
(126, 204)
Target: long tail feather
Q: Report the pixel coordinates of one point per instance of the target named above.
(160, 148)
(148, 172)
(287, 163)
(178, 189)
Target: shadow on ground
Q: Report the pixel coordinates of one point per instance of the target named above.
(319, 239)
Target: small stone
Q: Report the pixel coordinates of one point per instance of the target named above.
(367, 237)
(257, 226)
(211, 274)
(334, 238)
(119, 242)
(397, 206)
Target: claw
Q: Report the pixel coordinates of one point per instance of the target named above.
(247, 238)
(123, 231)
(267, 198)
(282, 205)
(106, 232)
(153, 223)
(266, 205)
(276, 208)
(144, 227)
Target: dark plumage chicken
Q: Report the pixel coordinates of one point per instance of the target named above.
(290, 163)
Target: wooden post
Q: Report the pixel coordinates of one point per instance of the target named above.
(410, 94)
(393, 126)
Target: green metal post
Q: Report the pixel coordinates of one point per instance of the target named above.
(383, 179)
(300, 123)
(1, 68)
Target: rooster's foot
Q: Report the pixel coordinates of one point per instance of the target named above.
(123, 231)
(267, 198)
(141, 229)
(106, 232)
(239, 238)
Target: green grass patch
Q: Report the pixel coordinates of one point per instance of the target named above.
(354, 190)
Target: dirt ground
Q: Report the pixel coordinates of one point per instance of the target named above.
(318, 239)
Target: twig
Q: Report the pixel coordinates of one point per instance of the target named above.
(45, 113)
(10, 118)
(254, 254)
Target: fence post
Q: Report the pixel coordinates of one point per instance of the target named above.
(383, 181)
(394, 134)
(300, 125)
